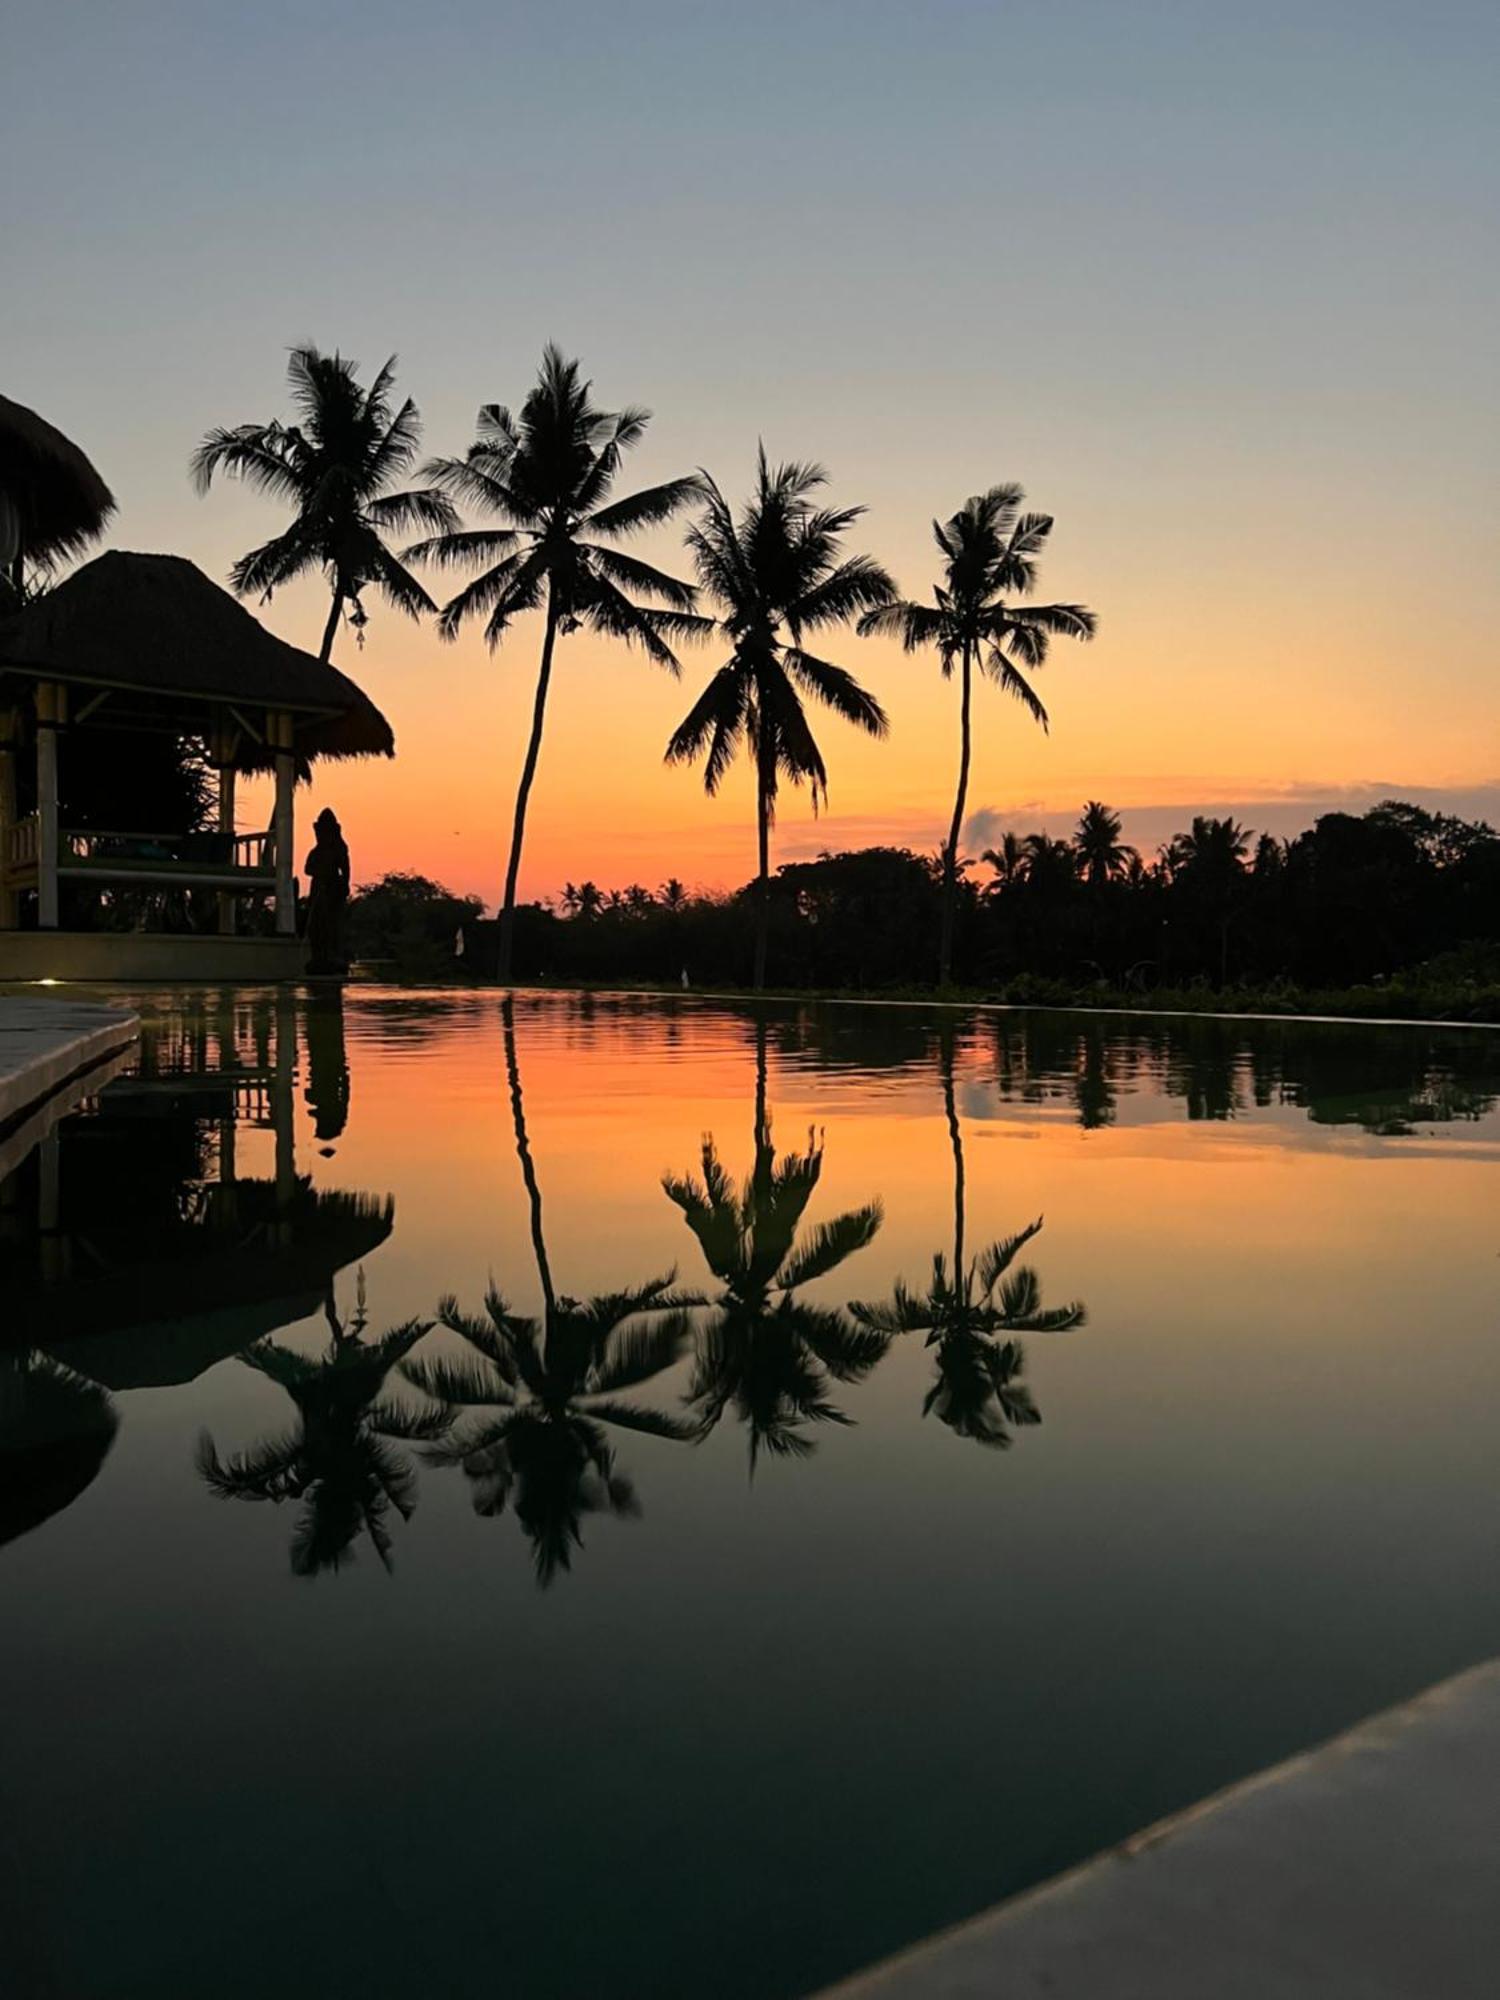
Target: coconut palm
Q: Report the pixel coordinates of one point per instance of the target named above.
(970, 1313)
(335, 465)
(776, 573)
(52, 501)
(763, 1351)
(1007, 860)
(547, 476)
(526, 1413)
(1102, 856)
(989, 551)
(341, 1462)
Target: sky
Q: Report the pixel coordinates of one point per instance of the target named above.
(1218, 285)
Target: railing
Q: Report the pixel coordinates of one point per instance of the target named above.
(166, 854)
(21, 843)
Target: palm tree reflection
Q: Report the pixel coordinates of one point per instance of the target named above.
(527, 1408)
(525, 1412)
(341, 1462)
(970, 1313)
(764, 1352)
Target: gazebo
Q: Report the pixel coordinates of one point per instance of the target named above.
(134, 646)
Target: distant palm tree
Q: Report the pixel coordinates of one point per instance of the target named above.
(340, 1462)
(673, 895)
(547, 475)
(1102, 855)
(1007, 860)
(970, 1313)
(1215, 849)
(1047, 865)
(990, 552)
(776, 573)
(334, 466)
(763, 1350)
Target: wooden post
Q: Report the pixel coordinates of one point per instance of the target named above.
(9, 900)
(284, 824)
(49, 703)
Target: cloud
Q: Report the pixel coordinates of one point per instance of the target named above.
(1279, 809)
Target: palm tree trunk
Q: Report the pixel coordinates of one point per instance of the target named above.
(950, 852)
(528, 772)
(956, 1140)
(523, 1152)
(330, 630)
(763, 879)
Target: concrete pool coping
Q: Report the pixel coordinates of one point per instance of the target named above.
(1368, 1867)
(47, 1044)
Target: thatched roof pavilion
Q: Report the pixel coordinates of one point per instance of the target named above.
(52, 501)
(156, 630)
(147, 643)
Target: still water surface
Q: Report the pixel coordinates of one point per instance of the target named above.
(736, 1597)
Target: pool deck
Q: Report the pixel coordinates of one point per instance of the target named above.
(1368, 1868)
(46, 1044)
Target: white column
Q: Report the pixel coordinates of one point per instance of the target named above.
(47, 705)
(286, 779)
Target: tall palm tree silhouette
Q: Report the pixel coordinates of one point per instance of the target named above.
(970, 1313)
(1102, 855)
(527, 1411)
(334, 465)
(547, 476)
(989, 551)
(342, 1461)
(776, 573)
(764, 1352)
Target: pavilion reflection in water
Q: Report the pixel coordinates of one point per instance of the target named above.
(164, 1227)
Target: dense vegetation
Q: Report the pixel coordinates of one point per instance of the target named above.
(1353, 902)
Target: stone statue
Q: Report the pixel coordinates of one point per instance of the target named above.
(327, 871)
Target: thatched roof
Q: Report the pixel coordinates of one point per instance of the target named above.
(59, 501)
(157, 626)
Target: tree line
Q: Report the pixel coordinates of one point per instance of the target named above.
(1353, 899)
(530, 511)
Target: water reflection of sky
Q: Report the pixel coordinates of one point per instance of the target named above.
(766, 1728)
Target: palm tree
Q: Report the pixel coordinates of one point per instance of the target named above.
(765, 1351)
(334, 465)
(1046, 864)
(547, 476)
(775, 574)
(970, 1313)
(1102, 856)
(549, 1387)
(340, 1461)
(989, 552)
(1007, 860)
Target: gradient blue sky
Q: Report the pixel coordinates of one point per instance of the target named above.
(1218, 283)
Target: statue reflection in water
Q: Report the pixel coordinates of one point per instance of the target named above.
(971, 1312)
(762, 1352)
(529, 1405)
